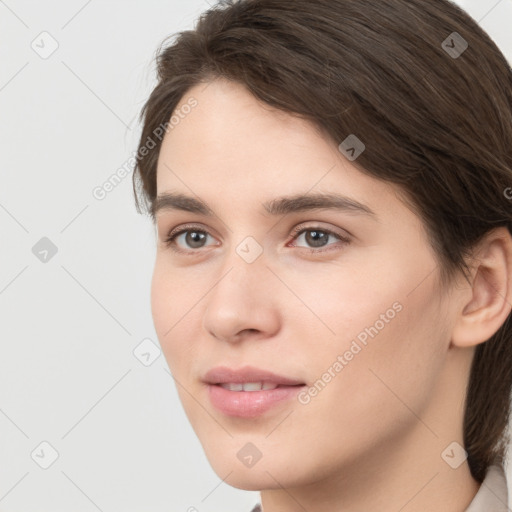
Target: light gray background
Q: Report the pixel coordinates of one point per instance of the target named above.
(69, 326)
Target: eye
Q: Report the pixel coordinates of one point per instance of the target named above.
(191, 236)
(317, 237)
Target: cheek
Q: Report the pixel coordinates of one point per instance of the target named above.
(173, 293)
(337, 304)
(161, 301)
(388, 332)
(169, 299)
(176, 300)
(381, 379)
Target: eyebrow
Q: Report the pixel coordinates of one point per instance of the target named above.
(278, 206)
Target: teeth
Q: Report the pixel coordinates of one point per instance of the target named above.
(249, 386)
(232, 387)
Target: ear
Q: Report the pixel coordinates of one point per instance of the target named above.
(488, 302)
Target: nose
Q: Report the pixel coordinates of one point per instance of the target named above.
(243, 302)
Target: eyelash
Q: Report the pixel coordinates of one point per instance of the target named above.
(296, 232)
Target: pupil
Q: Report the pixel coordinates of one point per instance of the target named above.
(195, 239)
(313, 239)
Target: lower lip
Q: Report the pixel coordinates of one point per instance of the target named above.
(249, 404)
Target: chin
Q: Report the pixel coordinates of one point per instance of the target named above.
(265, 473)
(248, 483)
(249, 480)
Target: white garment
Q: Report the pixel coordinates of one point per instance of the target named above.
(493, 493)
(492, 496)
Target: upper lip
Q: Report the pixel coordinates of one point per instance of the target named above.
(223, 374)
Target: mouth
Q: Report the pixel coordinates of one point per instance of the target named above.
(249, 377)
(249, 392)
(254, 386)
(251, 404)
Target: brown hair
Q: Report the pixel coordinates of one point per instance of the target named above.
(438, 125)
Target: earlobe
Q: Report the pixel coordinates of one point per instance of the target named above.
(490, 296)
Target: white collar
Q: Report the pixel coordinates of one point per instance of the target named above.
(493, 492)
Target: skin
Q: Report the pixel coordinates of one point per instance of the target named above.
(372, 439)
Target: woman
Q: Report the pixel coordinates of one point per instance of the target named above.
(333, 281)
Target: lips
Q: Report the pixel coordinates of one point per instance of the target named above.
(248, 374)
(249, 392)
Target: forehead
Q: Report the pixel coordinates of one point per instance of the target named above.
(226, 115)
(232, 146)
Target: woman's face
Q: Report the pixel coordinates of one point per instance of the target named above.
(338, 299)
